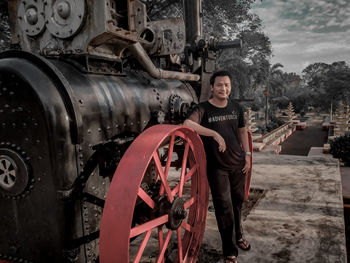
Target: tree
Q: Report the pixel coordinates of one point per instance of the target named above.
(327, 82)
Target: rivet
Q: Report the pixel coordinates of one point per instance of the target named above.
(89, 131)
(13, 145)
(99, 129)
(37, 141)
(39, 179)
(23, 153)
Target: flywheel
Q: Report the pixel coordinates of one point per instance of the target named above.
(174, 204)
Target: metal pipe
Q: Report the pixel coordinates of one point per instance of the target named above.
(141, 55)
(193, 20)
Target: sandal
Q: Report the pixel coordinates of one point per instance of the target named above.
(243, 244)
(231, 259)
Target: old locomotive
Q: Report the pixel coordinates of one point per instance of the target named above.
(87, 174)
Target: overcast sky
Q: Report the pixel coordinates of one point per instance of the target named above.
(306, 31)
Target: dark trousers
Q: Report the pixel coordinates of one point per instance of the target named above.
(227, 189)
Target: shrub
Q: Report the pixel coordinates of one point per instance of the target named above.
(340, 148)
(271, 126)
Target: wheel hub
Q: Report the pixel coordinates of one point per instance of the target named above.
(8, 172)
(176, 214)
(13, 172)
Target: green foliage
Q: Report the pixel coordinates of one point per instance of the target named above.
(340, 148)
(326, 82)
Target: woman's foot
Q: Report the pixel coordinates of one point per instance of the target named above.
(243, 244)
(231, 259)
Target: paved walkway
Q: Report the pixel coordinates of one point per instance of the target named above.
(300, 219)
(300, 142)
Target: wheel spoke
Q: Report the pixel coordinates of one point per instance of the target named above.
(186, 226)
(2, 165)
(12, 172)
(187, 177)
(166, 242)
(168, 162)
(162, 177)
(146, 198)
(189, 203)
(7, 164)
(142, 246)
(183, 170)
(160, 240)
(179, 245)
(11, 179)
(148, 226)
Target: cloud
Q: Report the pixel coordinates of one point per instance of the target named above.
(306, 31)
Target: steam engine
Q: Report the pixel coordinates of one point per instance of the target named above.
(91, 76)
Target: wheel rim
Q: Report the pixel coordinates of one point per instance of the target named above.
(249, 175)
(176, 209)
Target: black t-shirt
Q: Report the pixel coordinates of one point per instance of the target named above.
(226, 122)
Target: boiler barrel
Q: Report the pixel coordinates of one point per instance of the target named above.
(51, 116)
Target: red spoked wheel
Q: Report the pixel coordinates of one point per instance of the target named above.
(249, 175)
(153, 212)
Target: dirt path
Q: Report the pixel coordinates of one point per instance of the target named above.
(300, 142)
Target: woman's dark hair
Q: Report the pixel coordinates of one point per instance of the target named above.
(219, 73)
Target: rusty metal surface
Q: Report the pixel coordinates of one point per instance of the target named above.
(36, 108)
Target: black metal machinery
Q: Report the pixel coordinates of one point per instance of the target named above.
(90, 77)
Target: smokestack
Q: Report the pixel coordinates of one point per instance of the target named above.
(193, 20)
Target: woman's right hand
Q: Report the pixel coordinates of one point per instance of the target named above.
(218, 138)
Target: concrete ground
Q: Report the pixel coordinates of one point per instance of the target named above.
(300, 218)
